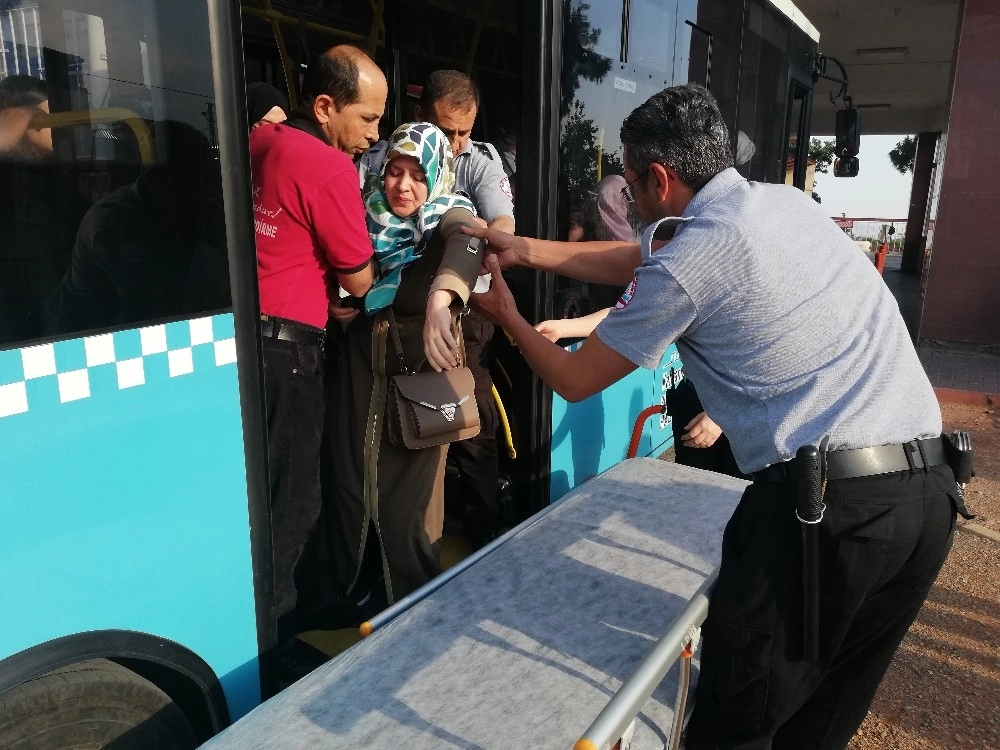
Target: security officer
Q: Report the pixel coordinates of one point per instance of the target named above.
(450, 100)
(794, 340)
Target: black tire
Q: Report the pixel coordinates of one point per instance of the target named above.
(93, 705)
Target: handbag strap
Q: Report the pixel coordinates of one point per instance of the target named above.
(398, 345)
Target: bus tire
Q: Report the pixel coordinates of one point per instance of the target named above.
(91, 705)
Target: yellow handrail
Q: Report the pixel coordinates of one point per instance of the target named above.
(111, 114)
(505, 423)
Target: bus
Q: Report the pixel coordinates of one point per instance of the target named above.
(136, 555)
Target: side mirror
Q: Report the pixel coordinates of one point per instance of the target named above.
(848, 132)
(846, 167)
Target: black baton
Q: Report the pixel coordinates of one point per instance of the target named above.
(809, 511)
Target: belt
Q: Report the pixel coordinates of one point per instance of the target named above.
(289, 330)
(865, 462)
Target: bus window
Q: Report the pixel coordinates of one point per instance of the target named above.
(117, 220)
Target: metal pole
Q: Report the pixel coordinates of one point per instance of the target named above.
(609, 725)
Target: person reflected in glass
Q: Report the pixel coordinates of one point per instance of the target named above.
(22, 98)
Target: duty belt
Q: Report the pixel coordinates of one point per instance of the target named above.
(290, 330)
(866, 462)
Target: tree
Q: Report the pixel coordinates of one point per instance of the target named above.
(578, 156)
(903, 155)
(579, 58)
(822, 154)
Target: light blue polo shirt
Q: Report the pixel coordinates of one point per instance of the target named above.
(785, 327)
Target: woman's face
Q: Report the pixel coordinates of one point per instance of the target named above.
(405, 185)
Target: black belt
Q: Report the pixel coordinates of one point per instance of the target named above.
(865, 462)
(290, 330)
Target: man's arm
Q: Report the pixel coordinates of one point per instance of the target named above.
(358, 281)
(597, 262)
(573, 375)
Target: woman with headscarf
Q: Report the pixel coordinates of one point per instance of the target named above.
(265, 104)
(386, 499)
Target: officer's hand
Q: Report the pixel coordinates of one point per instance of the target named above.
(509, 249)
(702, 432)
(496, 305)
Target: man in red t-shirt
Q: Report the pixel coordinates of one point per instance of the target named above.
(311, 237)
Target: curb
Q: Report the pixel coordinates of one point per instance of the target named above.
(956, 396)
(980, 530)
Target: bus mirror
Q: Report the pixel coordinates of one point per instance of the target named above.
(848, 132)
(846, 167)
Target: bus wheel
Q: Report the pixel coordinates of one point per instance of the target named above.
(92, 705)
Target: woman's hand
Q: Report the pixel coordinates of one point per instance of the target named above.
(702, 432)
(440, 347)
(551, 330)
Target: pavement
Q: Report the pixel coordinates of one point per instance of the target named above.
(965, 373)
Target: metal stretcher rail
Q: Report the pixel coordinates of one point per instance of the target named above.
(626, 704)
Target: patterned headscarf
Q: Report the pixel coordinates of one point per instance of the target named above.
(399, 241)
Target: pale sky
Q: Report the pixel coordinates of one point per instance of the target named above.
(878, 190)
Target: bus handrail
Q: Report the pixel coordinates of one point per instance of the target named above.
(110, 114)
(630, 698)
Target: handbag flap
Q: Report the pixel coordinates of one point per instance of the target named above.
(440, 402)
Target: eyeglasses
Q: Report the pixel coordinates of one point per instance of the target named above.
(627, 190)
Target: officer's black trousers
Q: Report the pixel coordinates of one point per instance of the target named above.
(883, 540)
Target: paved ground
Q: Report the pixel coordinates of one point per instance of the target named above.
(952, 366)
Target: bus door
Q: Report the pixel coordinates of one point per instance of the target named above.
(122, 359)
(614, 57)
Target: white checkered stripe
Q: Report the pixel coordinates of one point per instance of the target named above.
(130, 359)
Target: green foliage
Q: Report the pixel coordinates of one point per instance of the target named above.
(822, 154)
(578, 156)
(580, 59)
(904, 154)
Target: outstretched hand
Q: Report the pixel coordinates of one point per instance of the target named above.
(497, 305)
(509, 249)
(702, 432)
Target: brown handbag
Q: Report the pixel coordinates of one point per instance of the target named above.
(430, 408)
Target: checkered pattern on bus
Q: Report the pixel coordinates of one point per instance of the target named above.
(66, 371)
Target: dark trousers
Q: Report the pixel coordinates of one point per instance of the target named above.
(882, 541)
(476, 458)
(293, 392)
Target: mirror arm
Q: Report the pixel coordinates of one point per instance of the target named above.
(819, 71)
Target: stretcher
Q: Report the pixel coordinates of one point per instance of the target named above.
(528, 643)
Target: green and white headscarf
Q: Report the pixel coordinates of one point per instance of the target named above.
(399, 241)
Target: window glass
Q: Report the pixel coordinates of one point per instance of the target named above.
(110, 193)
(599, 92)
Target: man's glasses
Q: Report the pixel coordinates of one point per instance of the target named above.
(627, 190)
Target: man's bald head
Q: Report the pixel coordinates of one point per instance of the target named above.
(341, 73)
(344, 91)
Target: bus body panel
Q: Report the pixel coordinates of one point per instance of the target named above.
(594, 434)
(123, 469)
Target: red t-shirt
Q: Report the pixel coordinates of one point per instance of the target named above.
(309, 222)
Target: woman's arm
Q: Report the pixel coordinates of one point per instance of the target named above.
(460, 264)
(572, 328)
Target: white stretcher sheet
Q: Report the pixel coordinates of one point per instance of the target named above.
(525, 648)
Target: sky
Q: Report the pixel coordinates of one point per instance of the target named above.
(878, 191)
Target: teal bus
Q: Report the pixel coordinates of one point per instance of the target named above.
(136, 541)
